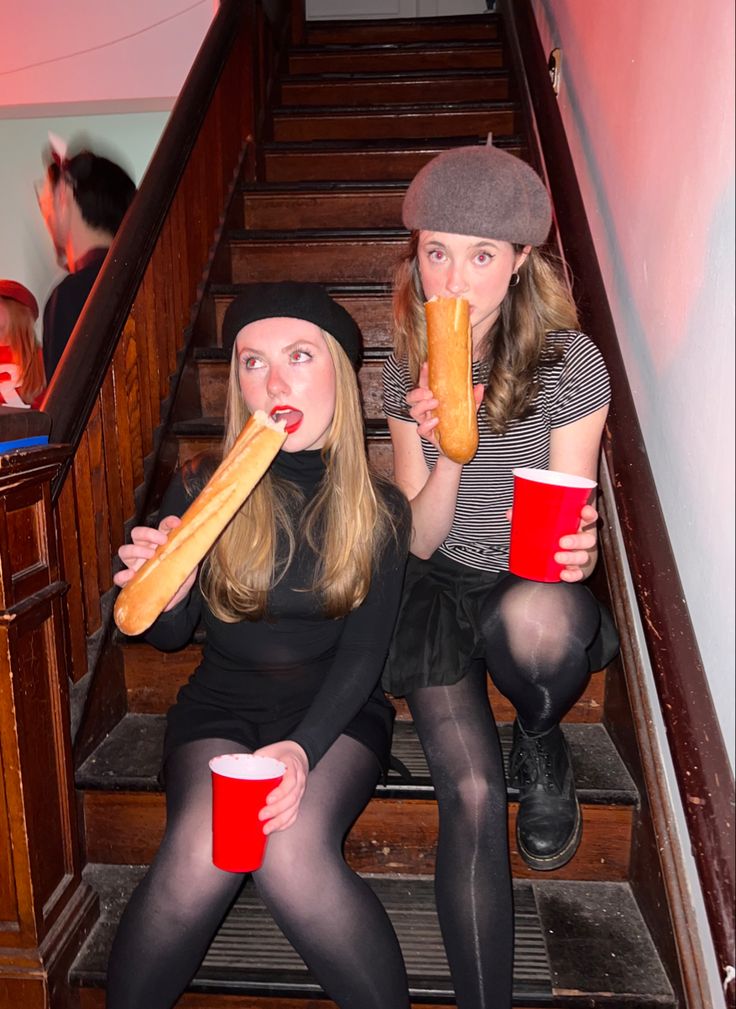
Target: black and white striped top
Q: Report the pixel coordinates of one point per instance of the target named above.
(570, 388)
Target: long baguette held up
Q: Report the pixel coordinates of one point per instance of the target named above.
(450, 358)
(143, 599)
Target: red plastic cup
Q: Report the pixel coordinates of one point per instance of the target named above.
(547, 505)
(241, 783)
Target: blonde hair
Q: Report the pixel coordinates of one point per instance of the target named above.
(346, 524)
(20, 336)
(516, 344)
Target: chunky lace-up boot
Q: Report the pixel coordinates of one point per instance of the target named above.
(549, 824)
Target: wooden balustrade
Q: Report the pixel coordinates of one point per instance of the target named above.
(45, 908)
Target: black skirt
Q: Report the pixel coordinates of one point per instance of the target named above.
(438, 639)
(195, 716)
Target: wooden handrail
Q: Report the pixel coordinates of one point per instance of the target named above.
(75, 385)
(699, 755)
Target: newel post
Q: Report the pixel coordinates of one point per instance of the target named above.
(45, 908)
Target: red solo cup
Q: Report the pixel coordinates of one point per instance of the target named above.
(547, 505)
(241, 783)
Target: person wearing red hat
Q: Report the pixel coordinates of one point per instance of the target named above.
(21, 367)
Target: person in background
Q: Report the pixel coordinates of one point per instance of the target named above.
(83, 200)
(477, 216)
(21, 369)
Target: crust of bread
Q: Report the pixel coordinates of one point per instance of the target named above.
(143, 599)
(450, 358)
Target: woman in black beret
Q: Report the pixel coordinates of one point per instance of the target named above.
(298, 599)
(477, 216)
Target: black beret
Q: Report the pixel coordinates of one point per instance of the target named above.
(292, 300)
(482, 191)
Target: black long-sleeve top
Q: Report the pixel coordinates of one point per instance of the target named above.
(297, 668)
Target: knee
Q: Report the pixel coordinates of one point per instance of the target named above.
(540, 625)
(473, 796)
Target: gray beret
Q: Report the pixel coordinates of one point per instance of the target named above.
(292, 300)
(482, 191)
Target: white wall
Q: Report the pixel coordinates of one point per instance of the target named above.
(26, 253)
(648, 103)
(647, 99)
(106, 73)
(137, 51)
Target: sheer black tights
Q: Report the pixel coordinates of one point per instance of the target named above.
(472, 877)
(536, 635)
(328, 913)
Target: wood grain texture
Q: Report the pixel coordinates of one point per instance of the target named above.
(411, 123)
(391, 836)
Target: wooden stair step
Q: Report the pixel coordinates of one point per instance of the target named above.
(369, 304)
(565, 935)
(315, 255)
(458, 28)
(213, 367)
(387, 161)
(204, 434)
(382, 88)
(154, 695)
(124, 809)
(404, 122)
(396, 56)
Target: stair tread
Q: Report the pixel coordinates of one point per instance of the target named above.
(322, 186)
(565, 935)
(379, 48)
(342, 76)
(386, 146)
(340, 290)
(393, 109)
(245, 235)
(128, 759)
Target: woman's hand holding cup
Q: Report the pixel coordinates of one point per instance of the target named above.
(282, 805)
(578, 550)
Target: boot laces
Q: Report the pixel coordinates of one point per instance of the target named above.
(532, 764)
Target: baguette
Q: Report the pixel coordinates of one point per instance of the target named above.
(143, 599)
(450, 358)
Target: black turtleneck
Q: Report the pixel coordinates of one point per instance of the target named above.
(296, 674)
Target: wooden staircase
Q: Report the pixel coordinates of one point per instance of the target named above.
(360, 108)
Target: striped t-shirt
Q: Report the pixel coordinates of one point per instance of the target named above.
(570, 388)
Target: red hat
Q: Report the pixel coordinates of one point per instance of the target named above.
(17, 292)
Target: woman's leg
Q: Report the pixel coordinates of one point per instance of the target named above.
(473, 879)
(536, 638)
(175, 911)
(329, 914)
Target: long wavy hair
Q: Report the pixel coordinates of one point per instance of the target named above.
(346, 524)
(20, 336)
(514, 347)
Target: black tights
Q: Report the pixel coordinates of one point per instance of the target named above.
(535, 637)
(331, 916)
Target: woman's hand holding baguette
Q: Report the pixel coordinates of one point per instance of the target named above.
(422, 403)
(144, 541)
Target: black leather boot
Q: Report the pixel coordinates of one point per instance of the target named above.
(549, 824)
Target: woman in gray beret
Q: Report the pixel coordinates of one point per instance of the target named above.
(298, 598)
(477, 217)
